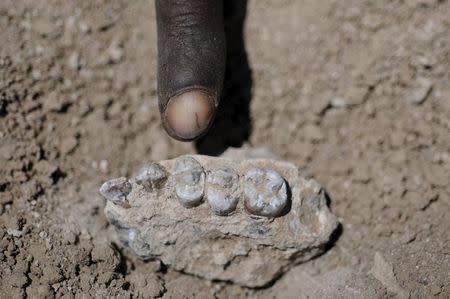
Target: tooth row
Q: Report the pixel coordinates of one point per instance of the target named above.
(264, 190)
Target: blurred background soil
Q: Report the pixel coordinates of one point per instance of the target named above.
(356, 92)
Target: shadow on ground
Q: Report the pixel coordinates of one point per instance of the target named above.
(232, 126)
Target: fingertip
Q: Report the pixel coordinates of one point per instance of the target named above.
(189, 115)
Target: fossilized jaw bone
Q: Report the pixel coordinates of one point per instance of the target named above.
(250, 219)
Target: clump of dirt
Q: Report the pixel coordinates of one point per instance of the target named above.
(354, 91)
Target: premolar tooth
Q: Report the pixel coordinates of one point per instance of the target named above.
(222, 190)
(189, 179)
(116, 190)
(265, 192)
(152, 176)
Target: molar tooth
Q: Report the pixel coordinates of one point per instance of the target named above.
(152, 176)
(222, 190)
(189, 178)
(184, 163)
(265, 192)
(116, 190)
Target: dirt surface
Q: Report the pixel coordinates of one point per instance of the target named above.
(357, 92)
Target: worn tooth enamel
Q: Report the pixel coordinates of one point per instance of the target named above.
(116, 190)
(265, 192)
(222, 190)
(152, 176)
(184, 163)
(189, 179)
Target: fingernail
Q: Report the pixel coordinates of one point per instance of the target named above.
(189, 115)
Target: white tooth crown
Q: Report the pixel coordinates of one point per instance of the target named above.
(241, 221)
(265, 192)
(223, 190)
(116, 190)
(152, 176)
(189, 181)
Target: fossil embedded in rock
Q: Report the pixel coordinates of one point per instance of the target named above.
(265, 192)
(222, 190)
(249, 251)
(189, 181)
(152, 176)
(116, 190)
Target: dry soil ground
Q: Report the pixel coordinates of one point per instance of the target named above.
(357, 92)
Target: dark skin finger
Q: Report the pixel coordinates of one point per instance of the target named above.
(191, 64)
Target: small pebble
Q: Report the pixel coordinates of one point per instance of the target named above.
(14, 232)
(68, 145)
(73, 61)
(103, 166)
(338, 103)
(417, 94)
(115, 53)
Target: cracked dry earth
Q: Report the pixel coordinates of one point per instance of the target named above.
(356, 92)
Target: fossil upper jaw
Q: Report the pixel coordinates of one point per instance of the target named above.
(221, 219)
